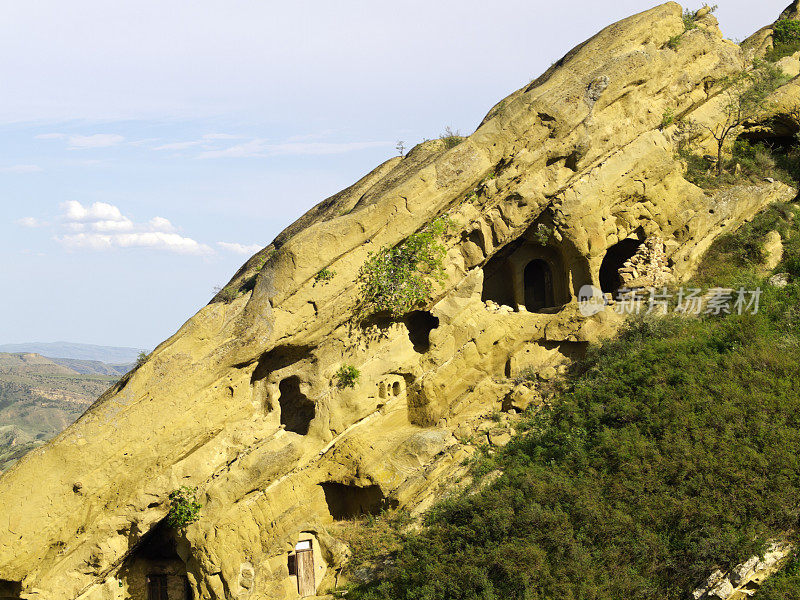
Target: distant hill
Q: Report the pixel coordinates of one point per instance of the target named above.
(39, 397)
(108, 354)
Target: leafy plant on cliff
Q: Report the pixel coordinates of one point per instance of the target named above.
(183, 507)
(672, 451)
(347, 376)
(228, 293)
(667, 119)
(785, 39)
(324, 276)
(543, 234)
(400, 278)
(451, 138)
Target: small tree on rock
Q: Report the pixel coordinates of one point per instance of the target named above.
(745, 97)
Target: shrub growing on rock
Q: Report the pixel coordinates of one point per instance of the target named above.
(785, 39)
(400, 278)
(183, 507)
(324, 276)
(347, 376)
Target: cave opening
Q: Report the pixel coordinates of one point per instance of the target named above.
(539, 292)
(10, 590)
(353, 501)
(297, 411)
(155, 570)
(498, 281)
(613, 261)
(420, 323)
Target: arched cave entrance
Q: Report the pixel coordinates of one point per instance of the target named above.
(613, 261)
(155, 570)
(529, 272)
(297, 411)
(538, 278)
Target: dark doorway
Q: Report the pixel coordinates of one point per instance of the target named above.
(497, 282)
(10, 590)
(297, 411)
(614, 260)
(420, 323)
(157, 587)
(539, 292)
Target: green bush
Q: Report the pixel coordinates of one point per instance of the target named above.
(543, 234)
(141, 358)
(324, 276)
(398, 279)
(184, 508)
(785, 39)
(347, 376)
(667, 119)
(451, 138)
(672, 451)
(228, 294)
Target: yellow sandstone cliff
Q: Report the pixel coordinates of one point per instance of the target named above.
(242, 401)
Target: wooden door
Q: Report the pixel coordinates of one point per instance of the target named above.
(305, 573)
(157, 587)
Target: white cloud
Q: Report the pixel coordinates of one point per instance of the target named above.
(123, 224)
(28, 222)
(85, 142)
(98, 140)
(102, 226)
(161, 224)
(179, 145)
(22, 169)
(74, 211)
(155, 240)
(259, 148)
(221, 136)
(240, 248)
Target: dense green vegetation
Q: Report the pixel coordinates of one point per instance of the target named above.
(749, 162)
(784, 585)
(669, 452)
(396, 280)
(785, 39)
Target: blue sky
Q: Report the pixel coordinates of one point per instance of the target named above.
(148, 148)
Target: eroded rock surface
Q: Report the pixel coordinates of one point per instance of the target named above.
(557, 189)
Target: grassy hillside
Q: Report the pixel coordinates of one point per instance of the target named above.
(668, 452)
(40, 397)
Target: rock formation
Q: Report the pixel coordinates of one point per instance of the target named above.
(242, 402)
